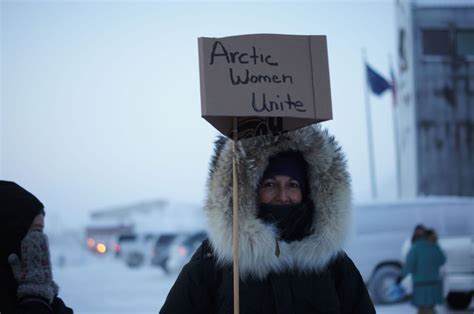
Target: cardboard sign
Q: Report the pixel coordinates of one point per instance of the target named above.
(272, 83)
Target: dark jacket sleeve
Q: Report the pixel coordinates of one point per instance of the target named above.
(33, 305)
(10, 304)
(27, 306)
(59, 307)
(353, 295)
(410, 262)
(192, 292)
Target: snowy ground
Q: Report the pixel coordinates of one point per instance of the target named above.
(103, 284)
(107, 286)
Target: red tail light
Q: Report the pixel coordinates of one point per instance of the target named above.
(117, 248)
(91, 243)
(182, 251)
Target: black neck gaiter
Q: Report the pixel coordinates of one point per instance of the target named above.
(293, 221)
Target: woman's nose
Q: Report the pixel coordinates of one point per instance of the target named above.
(283, 195)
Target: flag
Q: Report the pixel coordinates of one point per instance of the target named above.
(378, 84)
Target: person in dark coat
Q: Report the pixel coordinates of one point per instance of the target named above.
(294, 214)
(26, 280)
(423, 262)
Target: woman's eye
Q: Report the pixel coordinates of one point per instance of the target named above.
(269, 184)
(294, 185)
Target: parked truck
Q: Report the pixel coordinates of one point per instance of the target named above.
(458, 273)
(380, 229)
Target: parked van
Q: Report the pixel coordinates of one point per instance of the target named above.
(458, 273)
(380, 229)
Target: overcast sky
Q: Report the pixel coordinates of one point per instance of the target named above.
(100, 101)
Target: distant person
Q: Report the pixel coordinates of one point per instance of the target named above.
(424, 261)
(295, 199)
(418, 233)
(26, 279)
(431, 235)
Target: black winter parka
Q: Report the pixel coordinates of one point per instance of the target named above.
(308, 275)
(205, 288)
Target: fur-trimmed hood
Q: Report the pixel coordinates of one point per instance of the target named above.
(329, 189)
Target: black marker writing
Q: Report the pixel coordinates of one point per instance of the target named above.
(218, 50)
(276, 105)
(236, 79)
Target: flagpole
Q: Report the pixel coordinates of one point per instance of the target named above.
(368, 118)
(395, 129)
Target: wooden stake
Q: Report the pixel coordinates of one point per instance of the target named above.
(235, 221)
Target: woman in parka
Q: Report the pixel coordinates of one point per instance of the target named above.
(294, 214)
(424, 261)
(26, 279)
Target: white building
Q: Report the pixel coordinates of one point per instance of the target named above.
(435, 110)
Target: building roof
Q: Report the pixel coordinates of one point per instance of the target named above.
(443, 3)
(126, 210)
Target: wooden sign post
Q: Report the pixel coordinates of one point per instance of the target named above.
(235, 220)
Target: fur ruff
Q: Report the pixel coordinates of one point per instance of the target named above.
(329, 188)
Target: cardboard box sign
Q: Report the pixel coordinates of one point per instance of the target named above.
(272, 83)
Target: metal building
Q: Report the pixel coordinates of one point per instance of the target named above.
(435, 92)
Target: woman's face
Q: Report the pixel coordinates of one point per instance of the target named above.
(38, 223)
(280, 190)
